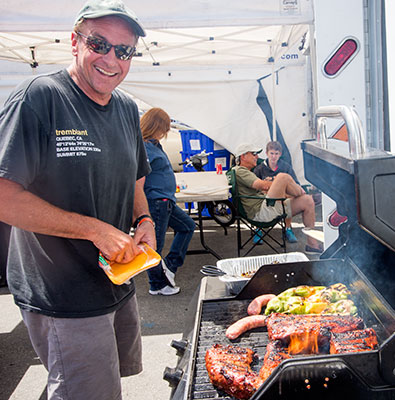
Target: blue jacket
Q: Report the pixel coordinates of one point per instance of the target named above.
(161, 182)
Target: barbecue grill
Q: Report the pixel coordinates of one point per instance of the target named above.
(363, 258)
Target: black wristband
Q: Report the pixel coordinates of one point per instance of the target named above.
(140, 218)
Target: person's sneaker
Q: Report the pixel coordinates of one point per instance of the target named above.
(169, 275)
(258, 238)
(313, 250)
(335, 219)
(290, 236)
(165, 291)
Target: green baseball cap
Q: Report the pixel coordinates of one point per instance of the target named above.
(102, 8)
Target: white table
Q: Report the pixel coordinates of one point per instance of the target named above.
(202, 187)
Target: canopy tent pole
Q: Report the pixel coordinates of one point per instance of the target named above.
(273, 96)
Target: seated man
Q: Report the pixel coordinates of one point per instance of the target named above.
(282, 186)
(271, 167)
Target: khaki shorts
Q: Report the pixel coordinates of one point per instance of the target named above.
(86, 357)
(269, 213)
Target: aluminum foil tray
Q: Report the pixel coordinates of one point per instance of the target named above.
(240, 270)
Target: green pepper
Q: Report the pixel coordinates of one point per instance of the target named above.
(303, 291)
(294, 305)
(274, 305)
(300, 309)
(286, 294)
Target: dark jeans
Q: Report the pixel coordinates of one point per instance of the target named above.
(167, 214)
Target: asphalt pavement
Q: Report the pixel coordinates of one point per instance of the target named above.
(22, 376)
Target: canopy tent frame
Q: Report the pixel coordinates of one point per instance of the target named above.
(200, 61)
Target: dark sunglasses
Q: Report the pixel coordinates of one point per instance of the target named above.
(101, 46)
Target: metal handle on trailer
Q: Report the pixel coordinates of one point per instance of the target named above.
(356, 140)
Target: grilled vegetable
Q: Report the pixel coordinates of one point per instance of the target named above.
(333, 299)
(335, 292)
(344, 307)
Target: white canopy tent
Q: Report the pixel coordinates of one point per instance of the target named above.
(226, 68)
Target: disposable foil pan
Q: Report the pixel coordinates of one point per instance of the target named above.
(240, 270)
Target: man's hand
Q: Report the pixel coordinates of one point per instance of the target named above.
(267, 183)
(145, 233)
(115, 245)
(263, 184)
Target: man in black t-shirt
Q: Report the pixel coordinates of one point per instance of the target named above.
(71, 166)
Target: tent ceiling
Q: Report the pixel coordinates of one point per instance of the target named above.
(202, 60)
(177, 47)
(49, 15)
(194, 32)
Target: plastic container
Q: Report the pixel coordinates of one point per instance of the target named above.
(122, 273)
(240, 270)
(195, 141)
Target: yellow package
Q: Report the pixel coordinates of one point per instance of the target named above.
(122, 273)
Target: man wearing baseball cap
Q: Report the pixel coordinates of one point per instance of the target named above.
(282, 186)
(71, 167)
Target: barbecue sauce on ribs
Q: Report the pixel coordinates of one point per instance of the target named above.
(229, 367)
(353, 341)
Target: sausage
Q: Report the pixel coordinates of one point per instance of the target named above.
(255, 307)
(245, 324)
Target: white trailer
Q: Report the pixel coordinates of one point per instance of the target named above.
(350, 57)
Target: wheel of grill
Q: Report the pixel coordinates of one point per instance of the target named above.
(223, 212)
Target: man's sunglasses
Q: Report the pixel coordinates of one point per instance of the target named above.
(101, 46)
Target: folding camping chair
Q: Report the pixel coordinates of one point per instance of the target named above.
(264, 229)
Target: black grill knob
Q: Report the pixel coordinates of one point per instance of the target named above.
(179, 345)
(173, 375)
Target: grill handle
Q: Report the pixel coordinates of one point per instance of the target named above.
(356, 141)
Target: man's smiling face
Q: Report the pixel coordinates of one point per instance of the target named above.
(99, 74)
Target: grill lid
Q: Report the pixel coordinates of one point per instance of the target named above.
(375, 184)
(362, 191)
(362, 187)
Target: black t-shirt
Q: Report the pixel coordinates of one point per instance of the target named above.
(263, 170)
(81, 157)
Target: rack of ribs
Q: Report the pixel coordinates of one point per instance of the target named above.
(229, 369)
(353, 341)
(275, 353)
(283, 326)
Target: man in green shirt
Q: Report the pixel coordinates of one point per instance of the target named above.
(281, 186)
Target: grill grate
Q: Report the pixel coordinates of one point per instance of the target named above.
(215, 319)
(361, 373)
(216, 316)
